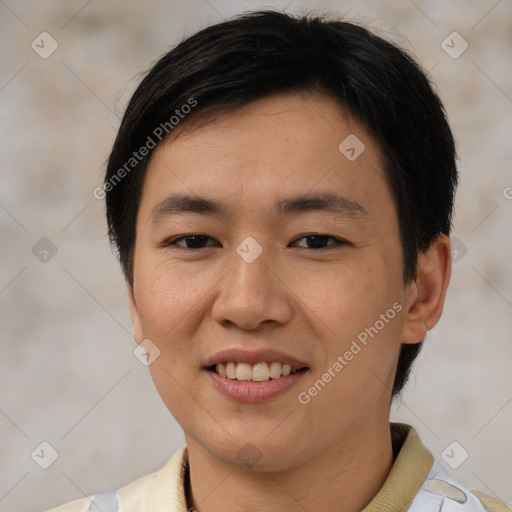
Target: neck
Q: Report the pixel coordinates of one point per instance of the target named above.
(349, 473)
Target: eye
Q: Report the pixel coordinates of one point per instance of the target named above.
(193, 241)
(313, 241)
(318, 241)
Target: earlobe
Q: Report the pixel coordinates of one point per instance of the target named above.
(134, 312)
(426, 295)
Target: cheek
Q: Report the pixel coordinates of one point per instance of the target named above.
(361, 307)
(362, 310)
(170, 303)
(347, 298)
(168, 297)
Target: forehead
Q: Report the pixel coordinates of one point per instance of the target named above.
(272, 149)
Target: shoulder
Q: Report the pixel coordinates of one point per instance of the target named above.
(418, 482)
(442, 492)
(137, 494)
(492, 504)
(129, 496)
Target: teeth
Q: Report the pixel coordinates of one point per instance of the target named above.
(275, 370)
(258, 372)
(243, 371)
(230, 370)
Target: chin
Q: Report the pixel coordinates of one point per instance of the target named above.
(266, 452)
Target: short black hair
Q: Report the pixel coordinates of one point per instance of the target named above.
(256, 54)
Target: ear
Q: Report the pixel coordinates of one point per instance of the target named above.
(134, 312)
(426, 294)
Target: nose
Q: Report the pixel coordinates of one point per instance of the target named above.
(253, 294)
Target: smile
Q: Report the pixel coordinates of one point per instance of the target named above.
(259, 372)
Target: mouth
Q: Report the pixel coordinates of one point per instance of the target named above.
(251, 376)
(259, 372)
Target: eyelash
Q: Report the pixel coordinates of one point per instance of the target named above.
(338, 241)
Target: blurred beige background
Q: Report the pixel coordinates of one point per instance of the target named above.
(68, 374)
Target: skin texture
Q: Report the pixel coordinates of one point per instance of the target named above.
(309, 303)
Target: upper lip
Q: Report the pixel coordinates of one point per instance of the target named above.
(240, 355)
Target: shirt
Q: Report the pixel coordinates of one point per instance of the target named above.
(416, 483)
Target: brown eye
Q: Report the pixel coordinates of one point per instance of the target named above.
(318, 241)
(194, 241)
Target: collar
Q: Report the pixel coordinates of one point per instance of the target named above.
(409, 471)
(407, 475)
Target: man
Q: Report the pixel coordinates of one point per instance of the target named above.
(280, 193)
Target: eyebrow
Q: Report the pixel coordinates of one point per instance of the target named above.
(327, 202)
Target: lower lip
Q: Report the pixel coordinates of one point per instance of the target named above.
(251, 392)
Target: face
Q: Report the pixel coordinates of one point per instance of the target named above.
(265, 247)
